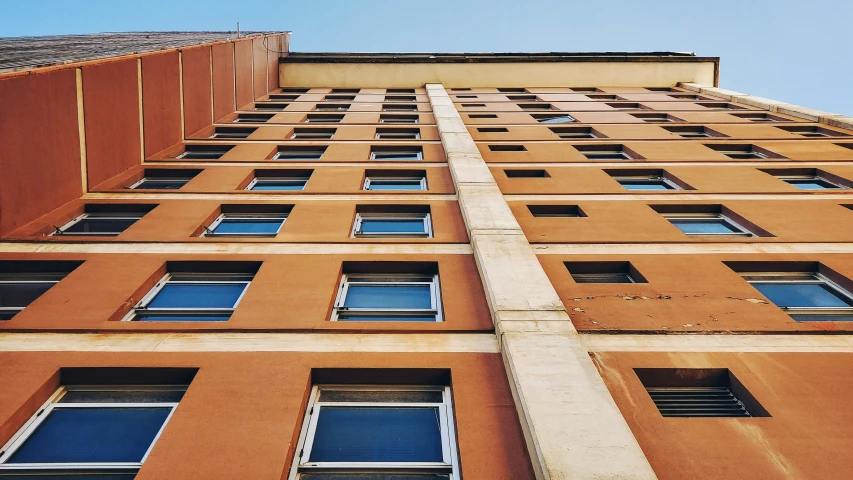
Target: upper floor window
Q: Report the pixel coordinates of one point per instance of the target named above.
(313, 133)
(400, 90)
(604, 272)
(396, 153)
(553, 118)
(576, 132)
(742, 151)
(346, 90)
(294, 90)
(813, 131)
(283, 98)
(656, 117)
(607, 152)
(381, 297)
(706, 221)
(339, 98)
(398, 118)
(395, 180)
(721, 105)
(400, 98)
(164, 179)
(106, 219)
(253, 117)
(398, 133)
(646, 179)
(809, 178)
(627, 106)
(760, 117)
(23, 281)
(256, 221)
(297, 152)
(378, 221)
(535, 106)
(321, 118)
(692, 131)
(699, 392)
(399, 107)
(233, 132)
(267, 106)
(279, 180)
(204, 152)
(332, 107)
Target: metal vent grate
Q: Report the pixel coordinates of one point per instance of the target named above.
(697, 402)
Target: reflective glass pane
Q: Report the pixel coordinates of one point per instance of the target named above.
(105, 226)
(802, 295)
(699, 227)
(377, 434)
(172, 184)
(388, 296)
(394, 185)
(387, 225)
(811, 184)
(211, 317)
(19, 295)
(242, 226)
(556, 119)
(645, 185)
(198, 295)
(280, 185)
(82, 435)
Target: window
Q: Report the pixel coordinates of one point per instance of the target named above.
(689, 96)
(320, 118)
(460, 97)
(743, 152)
(698, 392)
(626, 106)
(398, 133)
(606, 152)
(526, 173)
(283, 98)
(661, 89)
(604, 272)
(482, 115)
(555, 211)
(332, 107)
(373, 432)
(813, 131)
(164, 179)
(388, 298)
(654, 180)
(279, 180)
(379, 221)
(252, 221)
(380, 180)
(473, 105)
(576, 132)
(339, 98)
(271, 106)
(233, 132)
(522, 98)
(23, 281)
(204, 152)
(721, 106)
(493, 130)
(809, 178)
(691, 131)
(760, 117)
(106, 220)
(192, 295)
(312, 133)
(656, 117)
(400, 98)
(91, 431)
(396, 153)
(399, 107)
(460, 89)
(704, 224)
(553, 118)
(604, 97)
(808, 292)
(507, 148)
(398, 118)
(299, 153)
(346, 90)
(253, 117)
(294, 90)
(535, 106)
(584, 89)
(400, 90)
(512, 90)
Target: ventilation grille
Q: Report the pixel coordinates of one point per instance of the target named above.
(697, 402)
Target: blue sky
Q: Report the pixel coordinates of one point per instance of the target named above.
(794, 51)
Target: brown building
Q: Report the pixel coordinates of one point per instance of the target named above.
(222, 260)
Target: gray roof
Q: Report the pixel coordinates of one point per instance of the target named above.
(21, 53)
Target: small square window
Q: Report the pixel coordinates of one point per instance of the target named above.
(269, 106)
(606, 152)
(656, 117)
(253, 117)
(555, 211)
(698, 392)
(553, 118)
(398, 133)
(604, 272)
(23, 281)
(104, 220)
(395, 180)
(396, 153)
(507, 148)
(320, 118)
(388, 298)
(204, 152)
(332, 107)
(692, 131)
(299, 153)
(743, 152)
(574, 133)
(398, 118)
(233, 132)
(526, 173)
(164, 179)
(397, 222)
(493, 130)
(399, 107)
(760, 117)
(313, 133)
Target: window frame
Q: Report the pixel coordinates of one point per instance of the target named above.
(61, 231)
(413, 155)
(552, 118)
(795, 278)
(141, 307)
(319, 134)
(426, 217)
(307, 436)
(390, 134)
(369, 179)
(396, 119)
(649, 179)
(135, 185)
(255, 181)
(741, 231)
(811, 178)
(210, 230)
(387, 279)
(43, 413)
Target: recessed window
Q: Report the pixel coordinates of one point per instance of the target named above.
(399, 107)
(535, 106)
(507, 148)
(482, 115)
(164, 179)
(253, 117)
(522, 98)
(294, 90)
(313, 133)
(267, 106)
(467, 97)
(698, 392)
(346, 90)
(512, 90)
(692, 131)
(400, 90)
(396, 153)
(105, 220)
(353, 432)
(192, 292)
(283, 98)
(339, 98)
(460, 89)
(808, 292)
(398, 133)
(392, 221)
(398, 118)
(204, 152)
(473, 105)
(315, 118)
(689, 96)
(656, 117)
(661, 89)
(743, 152)
(332, 107)
(604, 97)
(400, 98)
(607, 152)
(23, 281)
(298, 152)
(553, 118)
(386, 297)
(555, 211)
(584, 89)
(721, 106)
(252, 221)
(809, 178)
(92, 431)
(279, 180)
(703, 220)
(626, 106)
(604, 272)
(812, 131)
(760, 117)
(576, 132)
(233, 132)
(526, 173)
(650, 182)
(493, 130)
(395, 180)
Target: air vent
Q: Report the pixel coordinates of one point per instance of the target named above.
(697, 402)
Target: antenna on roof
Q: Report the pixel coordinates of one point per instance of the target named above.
(238, 29)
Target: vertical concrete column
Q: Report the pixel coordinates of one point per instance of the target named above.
(572, 426)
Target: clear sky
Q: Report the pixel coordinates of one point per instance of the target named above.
(790, 50)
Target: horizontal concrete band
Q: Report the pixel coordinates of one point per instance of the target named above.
(239, 194)
(691, 195)
(717, 343)
(690, 248)
(233, 248)
(248, 342)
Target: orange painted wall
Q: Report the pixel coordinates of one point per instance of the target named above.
(259, 65)
(243, 55)
(111, 108)
(38, 175)
(198, 108)
(223, 79)
(161, 101)
(214, 434)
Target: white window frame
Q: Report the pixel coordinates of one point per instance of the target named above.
(541, 118)
(800, 278)
(395, 119)
(700, 217)
(211, 278)
(157, 179)
(380, 135)
(278, 156)
(390, 279)
(312, 136)
(52, 403)
(810, 178)
(210, 230)
(425, 217)
(368, 180)
(61, 231)
(338, 118)
(28, 278)
(601, 154)
(262, 180)
(450, 458)
(650, 179)
(418, 155)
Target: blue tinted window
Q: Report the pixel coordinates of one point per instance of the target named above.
(243, 226)
(384, 225)
(699, 227)
(645, 185)
(198, 295)
(394, 185)
(375, 434)
(811, 184)
(388, 296)
(80, 435)
(152, 317)
(386, 318)
(802, 295)
(279, 185)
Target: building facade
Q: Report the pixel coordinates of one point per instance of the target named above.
(223, 260)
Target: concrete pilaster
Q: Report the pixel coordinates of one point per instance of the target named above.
(572, 426)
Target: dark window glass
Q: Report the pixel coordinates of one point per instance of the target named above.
(95, 225)
(19, 295)
(162, 183)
